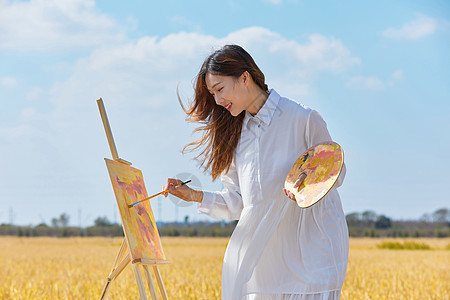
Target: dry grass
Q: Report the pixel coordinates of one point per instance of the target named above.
(76, 268)
(374, 273)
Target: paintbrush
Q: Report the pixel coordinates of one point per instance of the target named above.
(145, 199)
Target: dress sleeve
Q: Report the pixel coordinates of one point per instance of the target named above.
(317, 132)
(226, 204)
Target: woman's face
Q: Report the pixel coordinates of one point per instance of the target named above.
(228, 92)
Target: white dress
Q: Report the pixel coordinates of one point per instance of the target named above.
(278, 250)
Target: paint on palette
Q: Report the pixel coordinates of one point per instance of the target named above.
(322, 163)
(138, 223)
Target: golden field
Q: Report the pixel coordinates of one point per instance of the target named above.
(76, 268)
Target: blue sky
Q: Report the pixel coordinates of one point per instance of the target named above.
(377, 72)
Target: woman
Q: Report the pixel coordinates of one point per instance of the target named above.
(251, 138)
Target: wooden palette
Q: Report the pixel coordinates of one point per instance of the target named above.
(322, 164)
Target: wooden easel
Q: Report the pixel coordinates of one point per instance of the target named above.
(124, 256)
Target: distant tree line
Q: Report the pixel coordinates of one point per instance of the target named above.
(103, 227)
(59, 228)
(203, 229)
(369, 224)
(365, 224)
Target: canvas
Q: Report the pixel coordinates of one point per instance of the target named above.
(138, 222)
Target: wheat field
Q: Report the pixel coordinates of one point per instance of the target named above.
(76, 268)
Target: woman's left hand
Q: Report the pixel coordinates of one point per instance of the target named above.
(297, 183)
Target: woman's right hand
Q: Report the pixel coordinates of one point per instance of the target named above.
(183, 192)
(297, 184)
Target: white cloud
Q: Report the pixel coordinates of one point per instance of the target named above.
(418, 28)
(373, 83)
(8, 82)
(325, 54)
(50, 25)
(370, 83)
(318, 53)
(149, 69)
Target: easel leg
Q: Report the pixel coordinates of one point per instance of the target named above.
(140, 283)
(122, 250)
(151, 286)
(116, 269)
(162, 289)
(122, 260)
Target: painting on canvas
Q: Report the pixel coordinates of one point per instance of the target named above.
(138, 222)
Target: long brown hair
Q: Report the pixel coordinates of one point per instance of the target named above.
(221, 131)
